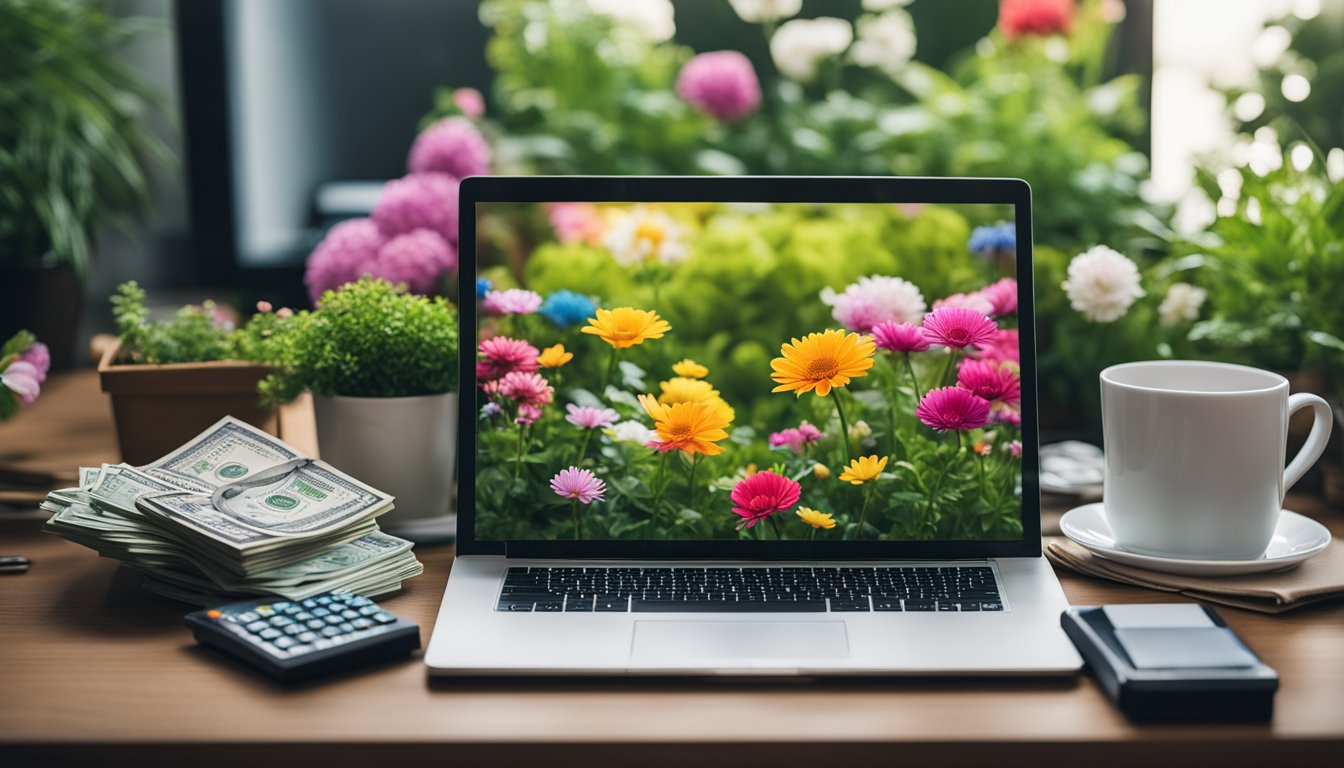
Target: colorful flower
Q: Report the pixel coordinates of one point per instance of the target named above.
(690, 369)
(567, 308)
(527, 388)
(886, 42)
(579, 485)
(514, 301)
(588, 417)
(419, 259)
(863, 469)
(1001, 347)
(490, 409)
(821, 361)
(757, 497)
(631, 432)
(814, 518)
(821, 471)
(503, 355)
(469, 102)
(554, 356)
(419, 201)
(644, 235)
(796, 438)
(953, 408)
(975, 301)
(958, 327)
(875, 299)
(689, 427)
(528, 414)
(722, 84)
(1181, 304)
(452, 146)
(990, 241)
(860, 430)
(650, 20)
(1002, 297)
(1102, 284)
(1006, 414)
(899, 337)
(624, 327)
(38, 356)
(764, 11)
(346, 253)
(1015, 449)
(981, 448)
(23, 379)
(483, 286)
(990, 381)
(1021, 18)
(683, 390)
(800, 45)
(577, 222)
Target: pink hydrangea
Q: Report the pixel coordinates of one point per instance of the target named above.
(343, 256)
(1001, 347)
(953, 408)
(470, 101)
(958, 327)
(990, 381)
(1002, 297)
(38, 356)
(587, 417)
(757, 497)
(900, 337)
(22, 378)
(420, 259)
(527, 388)
(419, 201)
(579, 485)
(452, 146)
(514, 301)
(796, 438)
(502, 355)
(722, 84)
(974, 301)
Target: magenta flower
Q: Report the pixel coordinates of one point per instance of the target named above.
(470, 101)
(39, 357)
(1010, 415)
(900, 337)
(1002, 297)
(722, 84)
(503, 356)
(989, 381)
(974, 301)
(514, 301)
(23, 379)
(1001, 347)
(809, 432)
(419, 201)
(527, 389)
(796, 438)
(1015, 449)
(761, 495)
(452, 146)
(958, 327)
(953, 408)
(590, 418)
(419, 258)
(346, 253)
(527, 414)
(578, 485)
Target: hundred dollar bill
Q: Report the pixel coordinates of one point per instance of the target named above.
(225, 452)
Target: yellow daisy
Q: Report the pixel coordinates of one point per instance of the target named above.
(554, 357)
(625, 327)
(683, 390)
(814, 518)
(863, 469)
(822, 361)
(690, 369)
(690, 427)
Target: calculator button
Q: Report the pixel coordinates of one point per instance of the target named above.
(293, 610)
(280, 621)
(309, 603)
(333, 620)
(294, 629)
(307, 637)
(282, 605)
(349, 614)
(322, 644)
(257, 626)
(320, 612)
(248, 618)
(316, 623)
(331, 631)
(324, 600)
(284, 643)
(383, 618)
(361, 623)
(270, 633)
(302, 616)
(369, 610)
(299, 649)
(264, 610)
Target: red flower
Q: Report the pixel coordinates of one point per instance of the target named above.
(762, 495)
(1021, 18)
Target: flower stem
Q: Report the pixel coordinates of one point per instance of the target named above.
(518, 462)
(583, 447)
(774, 525)
(863, 513)
(844, 426)
(611, 369)
(938, 486)
(658, 484)
(947, 369)
(695, 461)
(913, 380)
(813, 535)
(574, 512)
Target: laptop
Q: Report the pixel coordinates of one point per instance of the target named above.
(748, 426)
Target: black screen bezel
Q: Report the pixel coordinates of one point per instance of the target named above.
(729, 189)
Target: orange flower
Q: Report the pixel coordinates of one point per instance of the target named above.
(689, 427)
(821, 362)
(625, 327)
(690, 369)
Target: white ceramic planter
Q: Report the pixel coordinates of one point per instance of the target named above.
(405, 446)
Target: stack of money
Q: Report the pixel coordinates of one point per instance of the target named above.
(235, 513)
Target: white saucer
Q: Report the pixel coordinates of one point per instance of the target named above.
(1296, 538)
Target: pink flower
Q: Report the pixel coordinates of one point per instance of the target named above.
(1002, 297)
(1001, 347)
(953, 408)
(527, 414)
(969, 300)
(419, 201)
(265, 307)
(722, 84)
(514, 301)
(504, 356)
(590, 418)
(578, 485)
(796, 438)
(809, 432)
(419, 258)
(346, 253)
(958, 327)
(1010, 415)
(470, 101)
(39, 357)
(527, 389)
(989, 381)
(576, 222)
(1015, 449)
(875, 299)
(22, 378)
(761, 495)
(452, 146)
(900, 337)
(1020, 18)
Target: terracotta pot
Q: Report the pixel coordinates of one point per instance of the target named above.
(47, 301)
(159, 407)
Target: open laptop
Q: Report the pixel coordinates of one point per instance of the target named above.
(750, 464)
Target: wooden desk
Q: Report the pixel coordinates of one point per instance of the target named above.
(94, 670)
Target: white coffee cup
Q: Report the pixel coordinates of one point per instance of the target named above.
(1195, 455)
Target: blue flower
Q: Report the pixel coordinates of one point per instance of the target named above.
(483, 286)
(566, 308)
(987, 241)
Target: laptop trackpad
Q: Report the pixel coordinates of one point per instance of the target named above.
(714, 639)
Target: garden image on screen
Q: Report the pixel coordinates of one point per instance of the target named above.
(762, 371)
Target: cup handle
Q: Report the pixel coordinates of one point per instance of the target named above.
(1320, 435)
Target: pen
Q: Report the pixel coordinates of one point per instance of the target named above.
(14, 564)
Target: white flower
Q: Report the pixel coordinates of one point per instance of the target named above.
(876, 299)
(798, 46)
(859, 430)
(758, 11)
(1102, 284)
(1181, 304)
(877, 6)
(631, 432)
(644, 235)
(885, 42)
(650, 19)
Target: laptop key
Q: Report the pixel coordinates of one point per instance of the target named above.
(995, 606)
(849, 605)
(886, 604)
(664, 606)
(919, 605)
(578, 604)
(548, 607)
(516, 607)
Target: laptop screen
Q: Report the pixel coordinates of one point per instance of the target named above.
(755, 372)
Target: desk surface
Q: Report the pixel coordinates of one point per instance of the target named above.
(94, 668)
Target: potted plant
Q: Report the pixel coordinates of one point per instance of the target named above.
(169, 380)
(74, 156)
(382, 367)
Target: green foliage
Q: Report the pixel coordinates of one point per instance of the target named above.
(74, 147)
(191, 336)
(367, 339)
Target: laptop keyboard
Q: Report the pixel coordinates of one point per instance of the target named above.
(750, 590)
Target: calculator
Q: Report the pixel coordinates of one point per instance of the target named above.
(296, 639)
